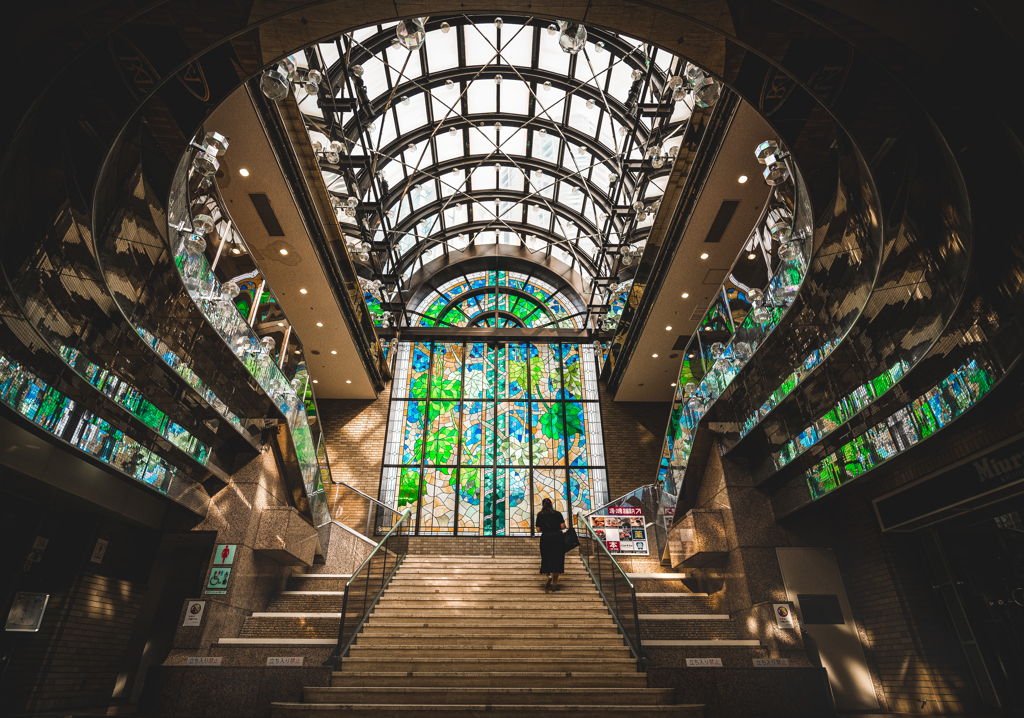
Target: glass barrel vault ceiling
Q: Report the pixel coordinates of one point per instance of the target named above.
(490, 134)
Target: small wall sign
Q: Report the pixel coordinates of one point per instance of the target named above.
(771, 663)
(217, 584)
(26, 614)
(703, 662)
(284, 660)
(99, 551)
(203, 661)
(783, 615)
(225, 554)
(194, 613)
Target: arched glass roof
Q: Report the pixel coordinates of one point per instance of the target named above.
(488, 134)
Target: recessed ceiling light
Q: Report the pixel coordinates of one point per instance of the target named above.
(236, 250)
(751, 256)
(244, 172)
(707, 329)
(319, 324)
(690, 355)
(655, 356)
(348, 381)
(668, 329)
(298, 351)
(284, 252)
(686, 295)
(280, 324)
(673, 383)
(333, 352)
(302, 291)
(315, 381)
(742, 179)
(702, 256)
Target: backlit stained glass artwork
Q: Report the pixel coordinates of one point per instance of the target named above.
(479, 434)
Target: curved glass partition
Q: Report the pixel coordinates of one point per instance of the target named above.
(838, 285)
(709, 367)
(215, 300)
(920, 283)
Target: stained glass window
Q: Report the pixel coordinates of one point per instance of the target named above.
(499, 299)
(479, 433)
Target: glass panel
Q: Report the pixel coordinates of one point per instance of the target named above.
(446, 375)
(469, 500)
(442, 433)
(437, 505)
(520, 521)
(513, 446)
(548, 433)
(477, 432)
(550, 484)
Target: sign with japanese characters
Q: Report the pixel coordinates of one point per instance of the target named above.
(26, 614)
(194, 613)
(203, 661)
(703, 662)
(771, 663)
(783, 615)
(295, 661)
(218, 581)
(622, 530)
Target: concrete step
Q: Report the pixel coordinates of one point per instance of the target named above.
(489, 664)
(370, 710)
(369, 639)
(511, 622)
(438, 572)
(674, 603)
(440, 650)
(498, 679)
(495, 611)
(451, 695)
(510, 580)
(290, 627)
(559, 599)
(604, 630)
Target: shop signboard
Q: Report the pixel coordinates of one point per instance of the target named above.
(623, 530)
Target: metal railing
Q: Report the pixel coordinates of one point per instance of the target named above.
(614, 586)
(368, 582)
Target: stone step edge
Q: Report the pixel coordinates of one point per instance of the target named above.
(672, 595)
(489, 707)
(657, 576)
(321, 575)
(482, 689)
(481, 659)
(682, 616)
(278, 641)
(310, 593)
(295, 615)
(471, 647)
(517, 674)
(703, 642)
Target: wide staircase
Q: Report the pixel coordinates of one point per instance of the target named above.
(469, 635)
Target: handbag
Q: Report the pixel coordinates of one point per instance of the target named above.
(570, 539)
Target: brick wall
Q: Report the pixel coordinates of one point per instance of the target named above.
(354, 432)
(633, 435)
(907, 633)
(75, 659)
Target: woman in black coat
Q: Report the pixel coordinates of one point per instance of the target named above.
(550, 523)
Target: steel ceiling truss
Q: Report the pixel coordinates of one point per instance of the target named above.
(348, 113)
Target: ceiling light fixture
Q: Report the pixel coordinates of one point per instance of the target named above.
(319, 324)
(742, 179)
(244, 172)
(751, 256)
(236, 250)
(333, 352)
(315, 381)
(302, 291)
(673, 383)
(702, 256)
(280, 324)
(284, 252)
(686, 295)
(668, 329)
(654, 356)
(348, 381)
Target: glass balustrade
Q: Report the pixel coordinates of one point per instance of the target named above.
(725, 340)
(216, 302)
(54, 412)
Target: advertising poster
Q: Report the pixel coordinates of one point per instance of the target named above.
(622, 530)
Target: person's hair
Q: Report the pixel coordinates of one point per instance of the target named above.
(547, 507)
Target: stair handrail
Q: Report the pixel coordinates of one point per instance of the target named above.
(373, 502)
(399, 541)
(633, 641)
